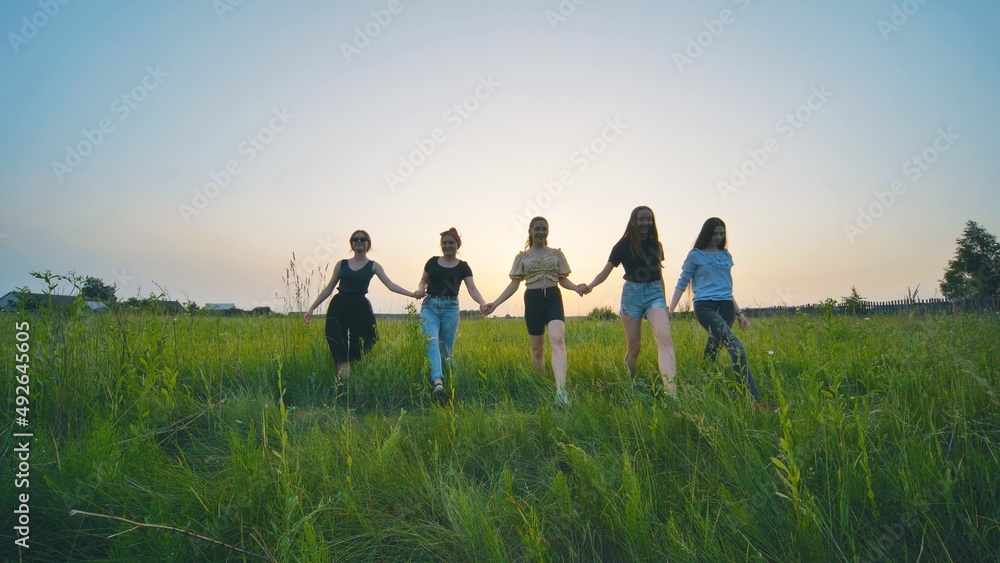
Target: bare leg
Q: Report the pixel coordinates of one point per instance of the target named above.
(665, 357)
(633, 342)
(558, 342)
(538, 351)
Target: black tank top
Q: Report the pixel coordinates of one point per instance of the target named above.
(355, 281)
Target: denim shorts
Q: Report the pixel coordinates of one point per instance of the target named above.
(641, 298)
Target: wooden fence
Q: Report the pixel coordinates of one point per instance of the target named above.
(902, 306)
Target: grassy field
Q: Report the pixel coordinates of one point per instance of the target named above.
(885, 446)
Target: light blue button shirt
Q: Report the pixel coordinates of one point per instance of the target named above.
(709, 274)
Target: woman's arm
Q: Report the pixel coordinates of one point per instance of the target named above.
(674, 299)
(687, 277)
(600, 277)
(470, 284)
(377, 269)
(507, 292)
(422, 286)
(744, 323)
(572, 286)
(326, 292)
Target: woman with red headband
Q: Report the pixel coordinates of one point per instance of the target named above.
(441, 281)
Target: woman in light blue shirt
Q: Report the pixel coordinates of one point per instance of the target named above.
(707, 268)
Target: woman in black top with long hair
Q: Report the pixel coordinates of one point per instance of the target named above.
(643, 295)
(350, 321)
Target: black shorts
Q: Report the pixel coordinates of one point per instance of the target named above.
(540, 307)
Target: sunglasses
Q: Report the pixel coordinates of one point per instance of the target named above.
(359, 239)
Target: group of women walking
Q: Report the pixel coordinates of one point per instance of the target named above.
(350, 320)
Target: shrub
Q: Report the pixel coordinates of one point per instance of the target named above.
(602, 314)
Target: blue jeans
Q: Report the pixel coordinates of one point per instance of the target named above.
(439, 321)
(717, 317)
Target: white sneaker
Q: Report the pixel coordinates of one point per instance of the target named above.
(562, 398)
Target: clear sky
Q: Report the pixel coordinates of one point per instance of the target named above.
(195, 145)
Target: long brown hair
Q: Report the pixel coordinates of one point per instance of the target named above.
(708, 231)
(632, 234)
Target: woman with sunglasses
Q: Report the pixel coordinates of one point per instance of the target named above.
(442, 278)
(708, 269)
(350, 321)
(543, 269)
(640, 252)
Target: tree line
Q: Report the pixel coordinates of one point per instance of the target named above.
(974, 272)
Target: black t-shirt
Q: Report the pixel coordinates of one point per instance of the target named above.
(637, 269)
(443, 281)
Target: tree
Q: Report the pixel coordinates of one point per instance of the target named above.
(854, 302)
(975, 270)
(94, 289)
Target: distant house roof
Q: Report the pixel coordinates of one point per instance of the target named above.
(12, 300)
(95, 305)
(219, 306)
(172, 305)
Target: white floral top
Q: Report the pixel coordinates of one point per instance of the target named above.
(550, 266)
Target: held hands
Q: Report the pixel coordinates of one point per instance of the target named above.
(583, 289)
(419, 293)
(487, 308)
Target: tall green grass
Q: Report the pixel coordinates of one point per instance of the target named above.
(884, 447)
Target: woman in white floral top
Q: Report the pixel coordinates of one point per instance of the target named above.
(543, 270)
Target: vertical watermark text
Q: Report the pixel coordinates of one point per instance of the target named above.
(22, 433)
